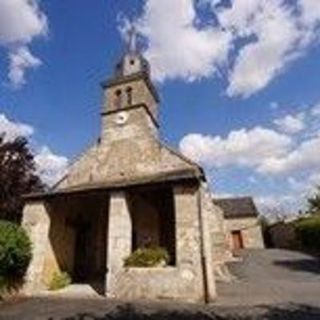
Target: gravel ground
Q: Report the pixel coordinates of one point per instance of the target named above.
(271, 284)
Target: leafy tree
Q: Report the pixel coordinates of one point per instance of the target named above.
(314, 203)
(17, 176)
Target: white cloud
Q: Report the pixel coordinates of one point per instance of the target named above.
(279, 207)
(21, 21)
(305, 157)
(264, 150)
(49, 165)
(255, 40)
(272, 160)
(310, 12)
(293, 200)
(178, 48)
(291, 123)
(261, 60)
(12, 130)
(315, 111)
(21, 60)
(244, 147)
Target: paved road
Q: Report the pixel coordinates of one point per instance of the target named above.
(273, 276)
(272, 284)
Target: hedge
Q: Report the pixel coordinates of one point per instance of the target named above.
(308, 232)
(15, 255)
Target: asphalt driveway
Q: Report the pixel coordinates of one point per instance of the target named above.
(270, 284)
(272, 277)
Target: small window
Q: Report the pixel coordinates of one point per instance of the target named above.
(118, 99)
(129, 96)
(132, 62)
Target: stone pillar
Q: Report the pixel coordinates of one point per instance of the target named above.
(205, 217)
(119, 243)
(36, 222)
(193, 265)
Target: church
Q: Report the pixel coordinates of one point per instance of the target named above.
(127, 189)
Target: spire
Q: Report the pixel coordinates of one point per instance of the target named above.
(132, 39)
(132, 61)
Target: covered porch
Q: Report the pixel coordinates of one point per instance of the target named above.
(89, 233)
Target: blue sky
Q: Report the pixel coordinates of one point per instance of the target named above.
(239, 84)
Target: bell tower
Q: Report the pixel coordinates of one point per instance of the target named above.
(130, 109)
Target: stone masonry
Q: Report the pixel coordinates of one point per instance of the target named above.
(87, 225)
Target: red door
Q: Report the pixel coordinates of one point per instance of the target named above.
(237, 241)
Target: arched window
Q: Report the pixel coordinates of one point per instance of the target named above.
(129, 96)
(118, 99)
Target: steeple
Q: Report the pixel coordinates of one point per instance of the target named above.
(132, 61)
(131, 100)
(132, 39)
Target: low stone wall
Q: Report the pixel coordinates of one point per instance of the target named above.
(283, 235)
(159, 283)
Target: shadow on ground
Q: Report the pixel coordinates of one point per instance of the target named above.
(304, 265)
(129, 312)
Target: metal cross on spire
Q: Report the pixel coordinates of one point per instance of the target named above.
(132, 39)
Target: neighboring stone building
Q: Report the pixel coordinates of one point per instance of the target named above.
(241, 222)
(126, 190)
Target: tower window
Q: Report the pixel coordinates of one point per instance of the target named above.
(118, 99)
(132, 62)
(129, 96)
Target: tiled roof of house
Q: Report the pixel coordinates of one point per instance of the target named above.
(237, 207)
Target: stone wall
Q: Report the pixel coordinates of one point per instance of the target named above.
(52, 242)
(140, 94)
(159, 283)
(283, 235)
(250, 231)
(218, 239)
(183, 281)
(36, 222)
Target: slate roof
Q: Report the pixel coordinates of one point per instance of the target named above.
(241, 207)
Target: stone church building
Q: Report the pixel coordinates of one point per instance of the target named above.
(129, 188)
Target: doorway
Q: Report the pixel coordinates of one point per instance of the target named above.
(237, 240)
(82, 256)
(78, 236)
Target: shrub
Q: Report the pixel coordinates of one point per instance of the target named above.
(59, 280)
(147, 257)
(15, 255)
(308, 232)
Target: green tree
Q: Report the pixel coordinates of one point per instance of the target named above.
(314, 203)
(17, 176)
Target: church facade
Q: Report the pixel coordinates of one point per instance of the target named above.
(128, 189)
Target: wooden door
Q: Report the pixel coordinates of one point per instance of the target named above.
(237, 241)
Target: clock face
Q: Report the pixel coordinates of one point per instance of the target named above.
(121, 118)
